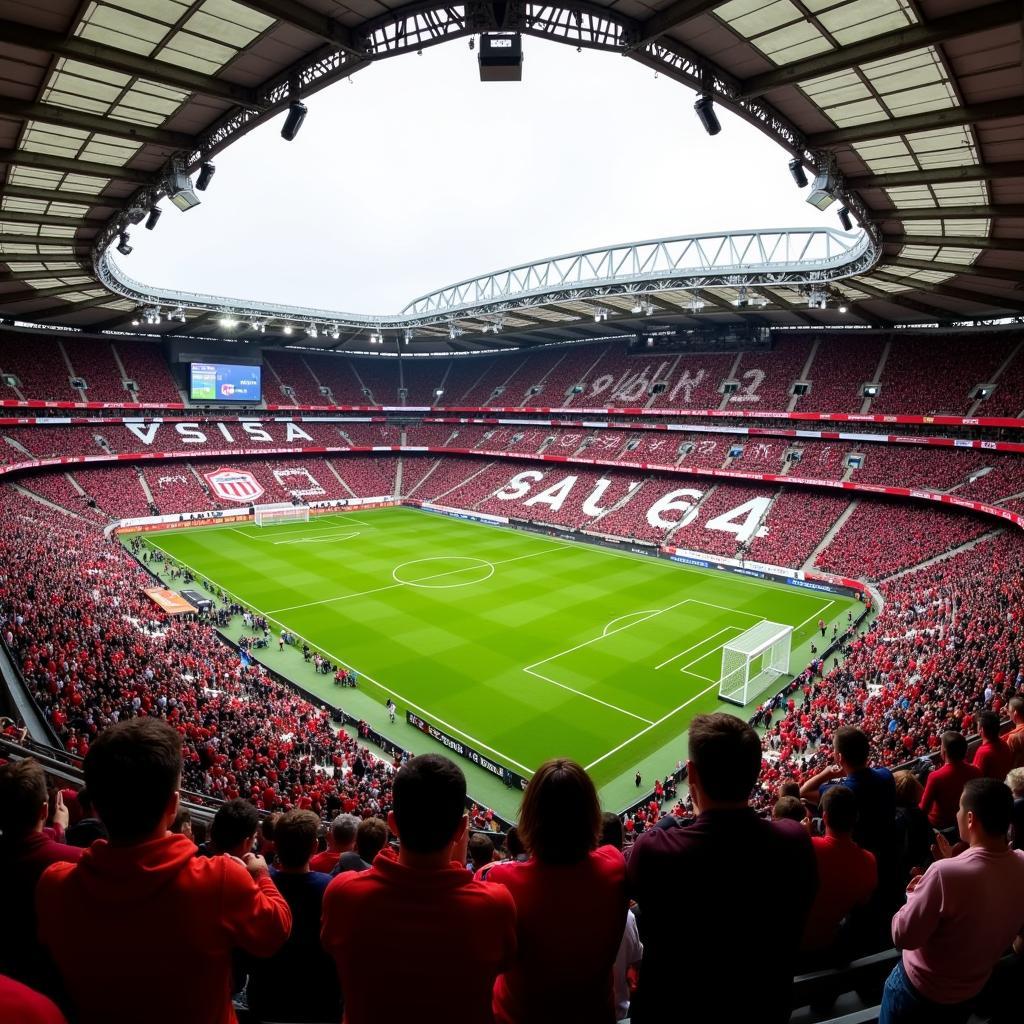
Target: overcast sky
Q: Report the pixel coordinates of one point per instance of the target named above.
(417, 175)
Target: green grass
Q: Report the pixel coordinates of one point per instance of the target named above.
(524, 646)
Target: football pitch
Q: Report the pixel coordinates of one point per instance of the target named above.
(521, 645)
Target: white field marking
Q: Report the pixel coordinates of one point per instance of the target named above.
(481, 562)
(697, 675)
(589, 696)
(647, 729)
(734, 611)
(820, 614)
(611, 622)
(694, 647)
(320, 540)
(364, 675)
(393, 586)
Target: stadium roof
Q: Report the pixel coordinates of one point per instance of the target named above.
(916, 110)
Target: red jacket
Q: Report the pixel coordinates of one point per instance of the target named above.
(20, 1004)
(570, 920)
(994, 759)
(158, 928)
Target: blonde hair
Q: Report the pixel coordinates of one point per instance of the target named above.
(1015, 780)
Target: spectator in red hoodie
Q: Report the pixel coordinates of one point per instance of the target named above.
(570, 905)
(21, 1005)
(454, 935)
(941, 800)
(993, 758)
(27, 849)
(156, 918)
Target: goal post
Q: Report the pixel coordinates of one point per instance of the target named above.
(280, 512)
(753, 660)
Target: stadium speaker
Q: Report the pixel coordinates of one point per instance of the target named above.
(293, 122)
(154, 216)
(705, 107)
(796, 168)
(845, 219)
(501, 57)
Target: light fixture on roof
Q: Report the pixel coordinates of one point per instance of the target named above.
(705, 107)
(844, 309)
(259, 326)
(845, 219)
(407, 335)
(151, 314)
(179, 188)
(334, 333)
(637, 306)
(206, 173)
(742, 298)
(135, 323)
(293, 122)
(154, 216)
(599, 315)
(649, 309)
(312, 331)
(177, 314)
(228, 321)
(695, 304)
(796, 168)
(823, 189)
(122, 244)
(287, 328)
(817, 298)
(454, 332)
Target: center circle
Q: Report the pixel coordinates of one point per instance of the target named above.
(443, 572)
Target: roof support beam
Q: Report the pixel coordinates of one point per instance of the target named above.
(953, 212)
(913, 37)
(46, 113)
(675, 14)
(26, 158)
(74, 307)
(35, 294)
(66, 243)
(300, 16)
(972, 269)
(993, 300)
(99, 55)
(958, 242)
(899, 299)
(7, 276)
(47, 195)
(51, 220)
(947, 118)
(940, 175)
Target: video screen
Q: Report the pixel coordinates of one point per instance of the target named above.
(225, 382)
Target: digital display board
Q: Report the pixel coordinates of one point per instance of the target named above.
(225, 382)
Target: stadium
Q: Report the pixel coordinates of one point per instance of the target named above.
(578, 617)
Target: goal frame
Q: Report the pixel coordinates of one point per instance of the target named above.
(754, 660)
(279, 513)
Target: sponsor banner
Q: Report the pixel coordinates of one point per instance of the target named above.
(458, 513)
(170, 602)
(189, 519)
(234, 485)
(510, 778)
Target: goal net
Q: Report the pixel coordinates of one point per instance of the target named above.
(281, 512)
(754, 660)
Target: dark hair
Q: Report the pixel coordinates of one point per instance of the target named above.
(560, 816)
(611, 830)
(988, 723)
(267, 826)
(295, 838)
(852, 745)
(991, 802)
(132, 770)
(954, 745)
(343, 829)
(481, 850)
(727, 755)
(790, 807)
(789, 787)
(22, 795)
(234, 822)
(200, 832)
(182, 819)
(839, 809)
(514, 843)
(85, 802)
(429, 796)
(371, 838)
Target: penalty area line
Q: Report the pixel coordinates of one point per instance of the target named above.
(588, 696)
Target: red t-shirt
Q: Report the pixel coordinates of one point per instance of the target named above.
(942, 791)
(20, 1004)
(325, 862)
(994, 759)
(451, 936)
(847, 876)
(570, 920)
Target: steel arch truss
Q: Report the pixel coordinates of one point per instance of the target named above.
(796, 258)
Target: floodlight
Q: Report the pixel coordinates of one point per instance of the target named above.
(312, 331)
(705, 107)
(822, 194)
(796, 168)
(293, 122)
(637, 307)
(843, 309)
(695, 304)
(287, 328)
(334, 332)
(206, 173)
(845, 219)
(407, 336)
(122, 244)
(177, 314)
(179, 189)
(154, 216)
